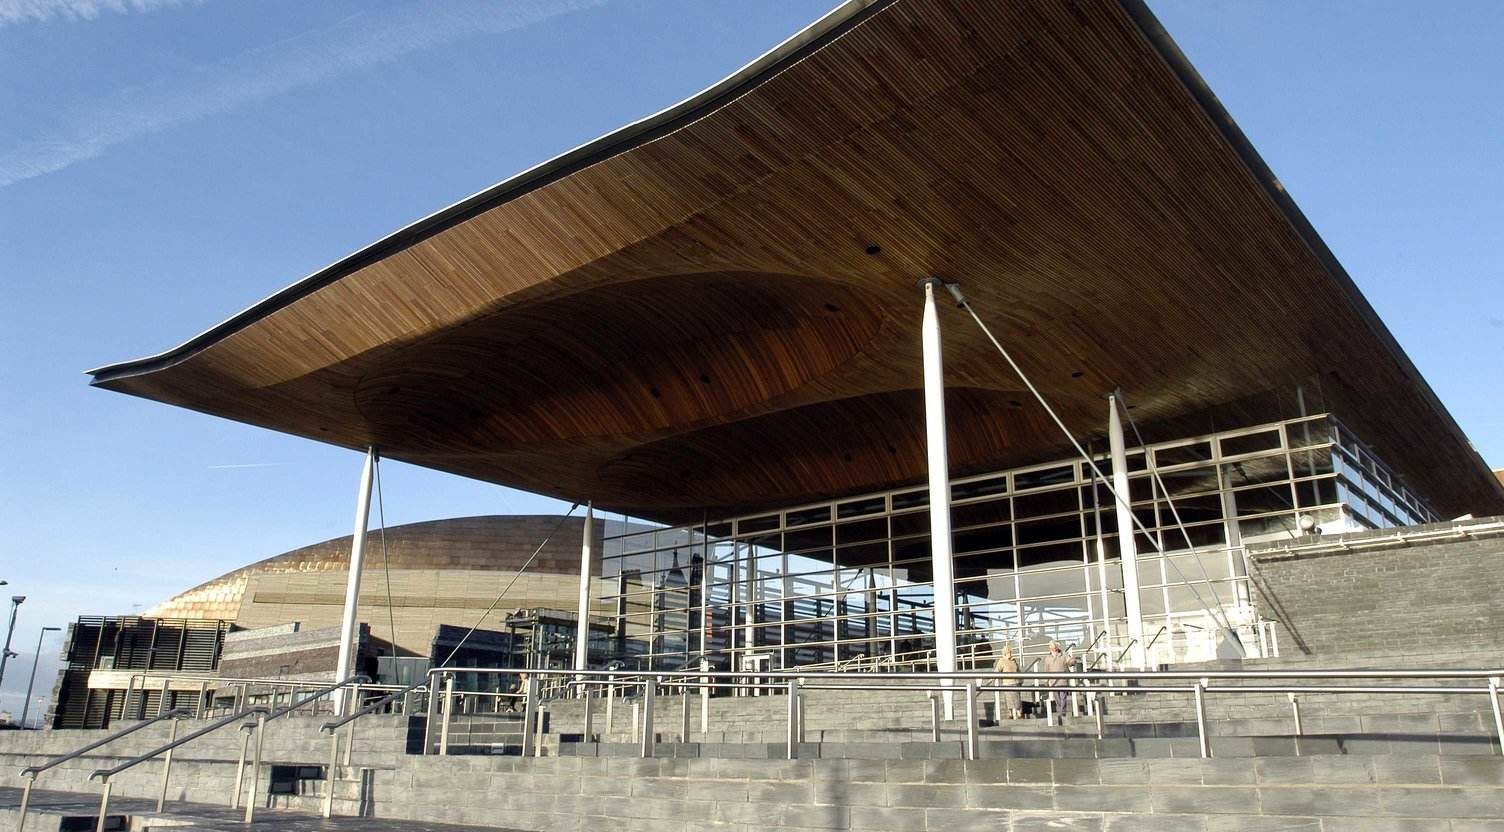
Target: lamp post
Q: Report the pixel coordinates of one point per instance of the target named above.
(26, 708)
(15, 603)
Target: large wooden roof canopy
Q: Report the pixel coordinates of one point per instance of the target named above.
(716, 307)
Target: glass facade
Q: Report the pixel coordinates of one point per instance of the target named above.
(849, 582)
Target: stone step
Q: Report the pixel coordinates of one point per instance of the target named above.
(1077, 746)
(1310, 794)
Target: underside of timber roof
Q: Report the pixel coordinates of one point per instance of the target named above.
(716, 307)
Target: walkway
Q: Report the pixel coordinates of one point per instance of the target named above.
(204, 817)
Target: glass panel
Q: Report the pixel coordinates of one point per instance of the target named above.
(1047, 476)
(1263, 500)
(864, 530)
(979, 488)
(1042, 531)
(977, 514)
(1316, 431)
(1182, 454)
(1250, 443)
(911, 499)
(858, 508)
(907, 524)
(868, 554)
(1254, 471)
(806, 516)
(977, 540)
(756, 524)
(1046, 503)
(796, 540)
(1051, 582)
(1043, 557)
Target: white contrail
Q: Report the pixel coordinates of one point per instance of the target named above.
(357, 43)
(42, 11)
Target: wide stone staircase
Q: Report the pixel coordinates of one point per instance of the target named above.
(1385, 762)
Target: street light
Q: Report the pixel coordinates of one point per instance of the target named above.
(26, 708)
(15, 603)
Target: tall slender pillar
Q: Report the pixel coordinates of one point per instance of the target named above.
(349, 625)
(939, 471)
(1127, 545)
(587, 560)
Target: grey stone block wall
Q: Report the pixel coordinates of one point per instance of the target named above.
(1380, 595)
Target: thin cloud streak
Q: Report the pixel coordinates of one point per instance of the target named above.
(358, 43)
(14, 12)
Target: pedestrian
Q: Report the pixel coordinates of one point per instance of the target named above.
(1058, 661)
(1007, 663)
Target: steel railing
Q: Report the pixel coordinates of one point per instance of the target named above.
(31, 772)
(245, 690)
(1203, 685)
(262, 713)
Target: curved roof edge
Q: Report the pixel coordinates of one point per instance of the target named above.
(809, 39)
(1176, 59)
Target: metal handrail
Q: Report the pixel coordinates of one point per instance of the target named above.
(358, 679)
(106, 773)
(1041, 681)
(335, 724)
(33, 771)
(1161, 631)
(262, 713)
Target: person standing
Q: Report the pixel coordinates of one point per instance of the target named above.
(1058, 661)
(1007, 663)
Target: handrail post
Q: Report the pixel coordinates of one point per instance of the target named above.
(104, 806)
(448, 710)
(250, 802)
(934, 716)
(589, 696)
(1493, 699)
(529, 714)
(431, 707)
(610, 709)
(973, 747)
(31, 779)
(203, 692)
(704, 698)
(684, 715)
(1295, 711)
(800, 732)
(1200, 693)
(245, 747)
(649, 693)
(328, 808)
(167, 766)
(792, 734)
(1096, 707)
(166, 693)
(538, 729)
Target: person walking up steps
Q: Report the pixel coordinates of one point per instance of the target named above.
(1058, 661)
(1007, 663)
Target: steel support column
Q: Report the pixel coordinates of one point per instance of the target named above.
(1127, 546)
(939, 476)
(587, 559)
(349, 625)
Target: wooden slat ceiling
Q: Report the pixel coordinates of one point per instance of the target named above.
(718, 309)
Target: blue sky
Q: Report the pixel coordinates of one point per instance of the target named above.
(164, 164)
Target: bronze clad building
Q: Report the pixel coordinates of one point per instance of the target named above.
(442, 572)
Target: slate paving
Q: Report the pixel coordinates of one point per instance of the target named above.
(204, 817)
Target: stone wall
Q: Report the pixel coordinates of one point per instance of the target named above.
(1422, 590)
